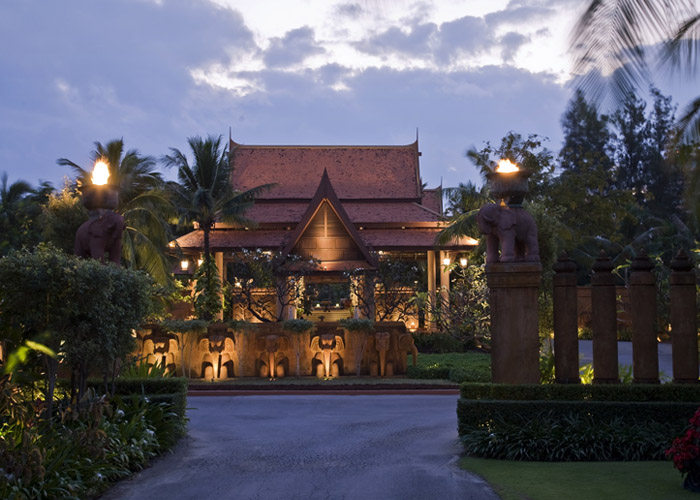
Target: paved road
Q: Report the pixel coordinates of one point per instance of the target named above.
(624, 356)
(313, 447)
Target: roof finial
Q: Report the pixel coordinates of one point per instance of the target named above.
(416, 134)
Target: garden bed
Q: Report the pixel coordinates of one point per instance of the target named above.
(348, 383)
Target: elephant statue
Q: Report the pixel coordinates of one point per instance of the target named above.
(406, 344)
(217, 346)
(328, 347)
(511, 228)
(382, 341)
(272, 362)
(99, 234)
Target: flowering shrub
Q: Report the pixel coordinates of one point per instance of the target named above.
(685, 450)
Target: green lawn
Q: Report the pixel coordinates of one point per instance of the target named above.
(580, 480)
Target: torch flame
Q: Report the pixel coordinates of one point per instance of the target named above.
(100, 173)
(506, 166)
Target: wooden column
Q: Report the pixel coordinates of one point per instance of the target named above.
(429, 319)
(684, 327)
(604, 322)
(565, 322)
(444, 278)
(515, 343)
(645, 350)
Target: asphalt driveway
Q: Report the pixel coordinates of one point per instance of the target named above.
(313, 447)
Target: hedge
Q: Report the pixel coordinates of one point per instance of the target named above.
(573, 422)
(583, 392)
(170, 390)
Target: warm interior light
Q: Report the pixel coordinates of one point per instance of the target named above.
(100, 173)
(506, 166)
(446, 261)
(184, 264)
(468, 240)
(171, 244)
(200, 261)
(463, 262)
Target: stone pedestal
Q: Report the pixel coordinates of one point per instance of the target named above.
(604, 322)
(565, 322)
(645, 351)
(513, 289)
(684, 328)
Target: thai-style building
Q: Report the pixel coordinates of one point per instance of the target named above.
(347, 207)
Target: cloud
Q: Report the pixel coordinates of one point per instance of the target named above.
(511, 42)
(293, 48)
(349, 10)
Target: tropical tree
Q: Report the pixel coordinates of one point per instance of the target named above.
(142, 202)
(12, 197)
(204, 195)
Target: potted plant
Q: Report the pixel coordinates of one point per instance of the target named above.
(685, 453)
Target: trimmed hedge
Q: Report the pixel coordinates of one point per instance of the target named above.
(169, 390)
(573, 422)
(581, 392)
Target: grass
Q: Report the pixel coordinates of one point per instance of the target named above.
(580, 480)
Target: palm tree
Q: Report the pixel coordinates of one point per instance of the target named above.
(610, 39)
(142, 202)
(204, 195)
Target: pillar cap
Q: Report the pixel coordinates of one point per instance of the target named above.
(681, 262)
(642, 262)
(603, 264)
(564, 264)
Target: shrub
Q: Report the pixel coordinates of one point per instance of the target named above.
(437, 343)
(357, 324)
(458, 367)
(572, 422)
(297, 325)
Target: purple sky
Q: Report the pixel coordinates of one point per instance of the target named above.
(279, 72)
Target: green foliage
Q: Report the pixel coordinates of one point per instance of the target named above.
(567, 436)
(182, 326)
(142, 369)
(464, 313)
(357, 324)
(280, 274)
(297, 325)
(385, 294)
(60, 218)
(437, 343)
(457, 367)
(87, 308)
(576, 392)
(207, 291)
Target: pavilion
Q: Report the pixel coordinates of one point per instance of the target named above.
(345, 206)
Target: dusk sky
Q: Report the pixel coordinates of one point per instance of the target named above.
(279, 72)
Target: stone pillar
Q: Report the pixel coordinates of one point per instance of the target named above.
(444, 278)
(604, 322)
(429, 319)
(645, 350)
(565, 322)
(684, 327)
(515, 343)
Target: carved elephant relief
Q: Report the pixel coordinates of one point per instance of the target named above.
(273, 361)
(217, 348)
(100, 234)
(512, 229)
(328, 348)
(160, 347)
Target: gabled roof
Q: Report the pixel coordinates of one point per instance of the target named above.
(326, 194)
(358, 172)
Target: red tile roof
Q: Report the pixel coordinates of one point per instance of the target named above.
(357, 172)
(359, 212)
(376, 239)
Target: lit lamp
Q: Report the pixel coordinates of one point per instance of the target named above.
(463, 261)
(184, 265)
(446, 261)
(99, 194)
(509, 183)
